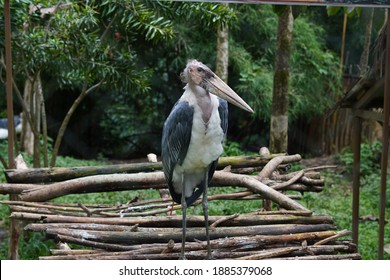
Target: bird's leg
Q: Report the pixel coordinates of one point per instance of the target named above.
(184, 225)
(206, 218)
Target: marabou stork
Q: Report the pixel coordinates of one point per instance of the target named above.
(193, 136)
(4, 127)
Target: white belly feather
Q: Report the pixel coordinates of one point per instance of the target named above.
(205, 147)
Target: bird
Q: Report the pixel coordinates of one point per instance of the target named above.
(4, 127)
(193, 136)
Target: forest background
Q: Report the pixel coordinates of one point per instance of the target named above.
(111, 69)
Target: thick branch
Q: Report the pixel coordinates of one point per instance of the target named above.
(176, 221)
(273, 164)
(128, 181)
(45, 175)
(129, 238)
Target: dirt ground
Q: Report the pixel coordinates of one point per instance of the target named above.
(319, 161)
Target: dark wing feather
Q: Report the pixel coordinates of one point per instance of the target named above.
(175, 141)
(223, 114)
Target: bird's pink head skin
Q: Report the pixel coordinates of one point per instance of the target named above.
(199, 74)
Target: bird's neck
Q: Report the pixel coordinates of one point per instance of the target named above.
(203, 99)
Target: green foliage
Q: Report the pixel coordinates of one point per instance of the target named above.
(134, 51)
(132, 120)
(369, 158)
(336, 200)
(232, 148)
(139, 18)
(202, 14)
(314, 80)
(350, 10)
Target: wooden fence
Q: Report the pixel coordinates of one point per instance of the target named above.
(151, 229)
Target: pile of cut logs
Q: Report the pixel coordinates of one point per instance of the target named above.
(151, 229)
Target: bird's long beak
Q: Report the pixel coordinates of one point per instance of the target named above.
(220, 88)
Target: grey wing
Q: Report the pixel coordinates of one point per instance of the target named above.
(223, 114)
(176, 140)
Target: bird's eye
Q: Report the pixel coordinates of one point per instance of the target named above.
(200, 69)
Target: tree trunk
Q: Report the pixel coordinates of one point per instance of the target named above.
(36, 99)
(370, 127)
(279, 118)
(341, 68)
(33, 99)
(363, 66)
(44, 128)
(222, 53)
(84, 92)
(27, 137)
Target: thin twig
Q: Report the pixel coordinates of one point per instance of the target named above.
(334, 237)
(223, 219)
(283, 185)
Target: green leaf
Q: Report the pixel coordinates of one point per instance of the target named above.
(332, 10)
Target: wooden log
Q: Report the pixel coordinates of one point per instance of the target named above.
(273, 164)
(91, 243)
(111, 182)
(353, 256)
(304, 253)
(257, 240)
(251, 242)
(291, 181)
(107, 207)
(102, 227)
(192, 255)
(14, 225)
(54, 207)
(283, 212)
(61, 252)
(50, 175)
(256, 186)
(47, 175)
(16, 188)
(267, 254)
(303, 188)
(129, 238)
(48, 211)
(176, 221)
(128, 181)
(288, 176)
(331, 238)
(120, 211)
(314, 182)
(324, 250)
(297, 251)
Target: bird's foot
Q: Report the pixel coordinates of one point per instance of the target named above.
(182, 257)
(210, 256)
